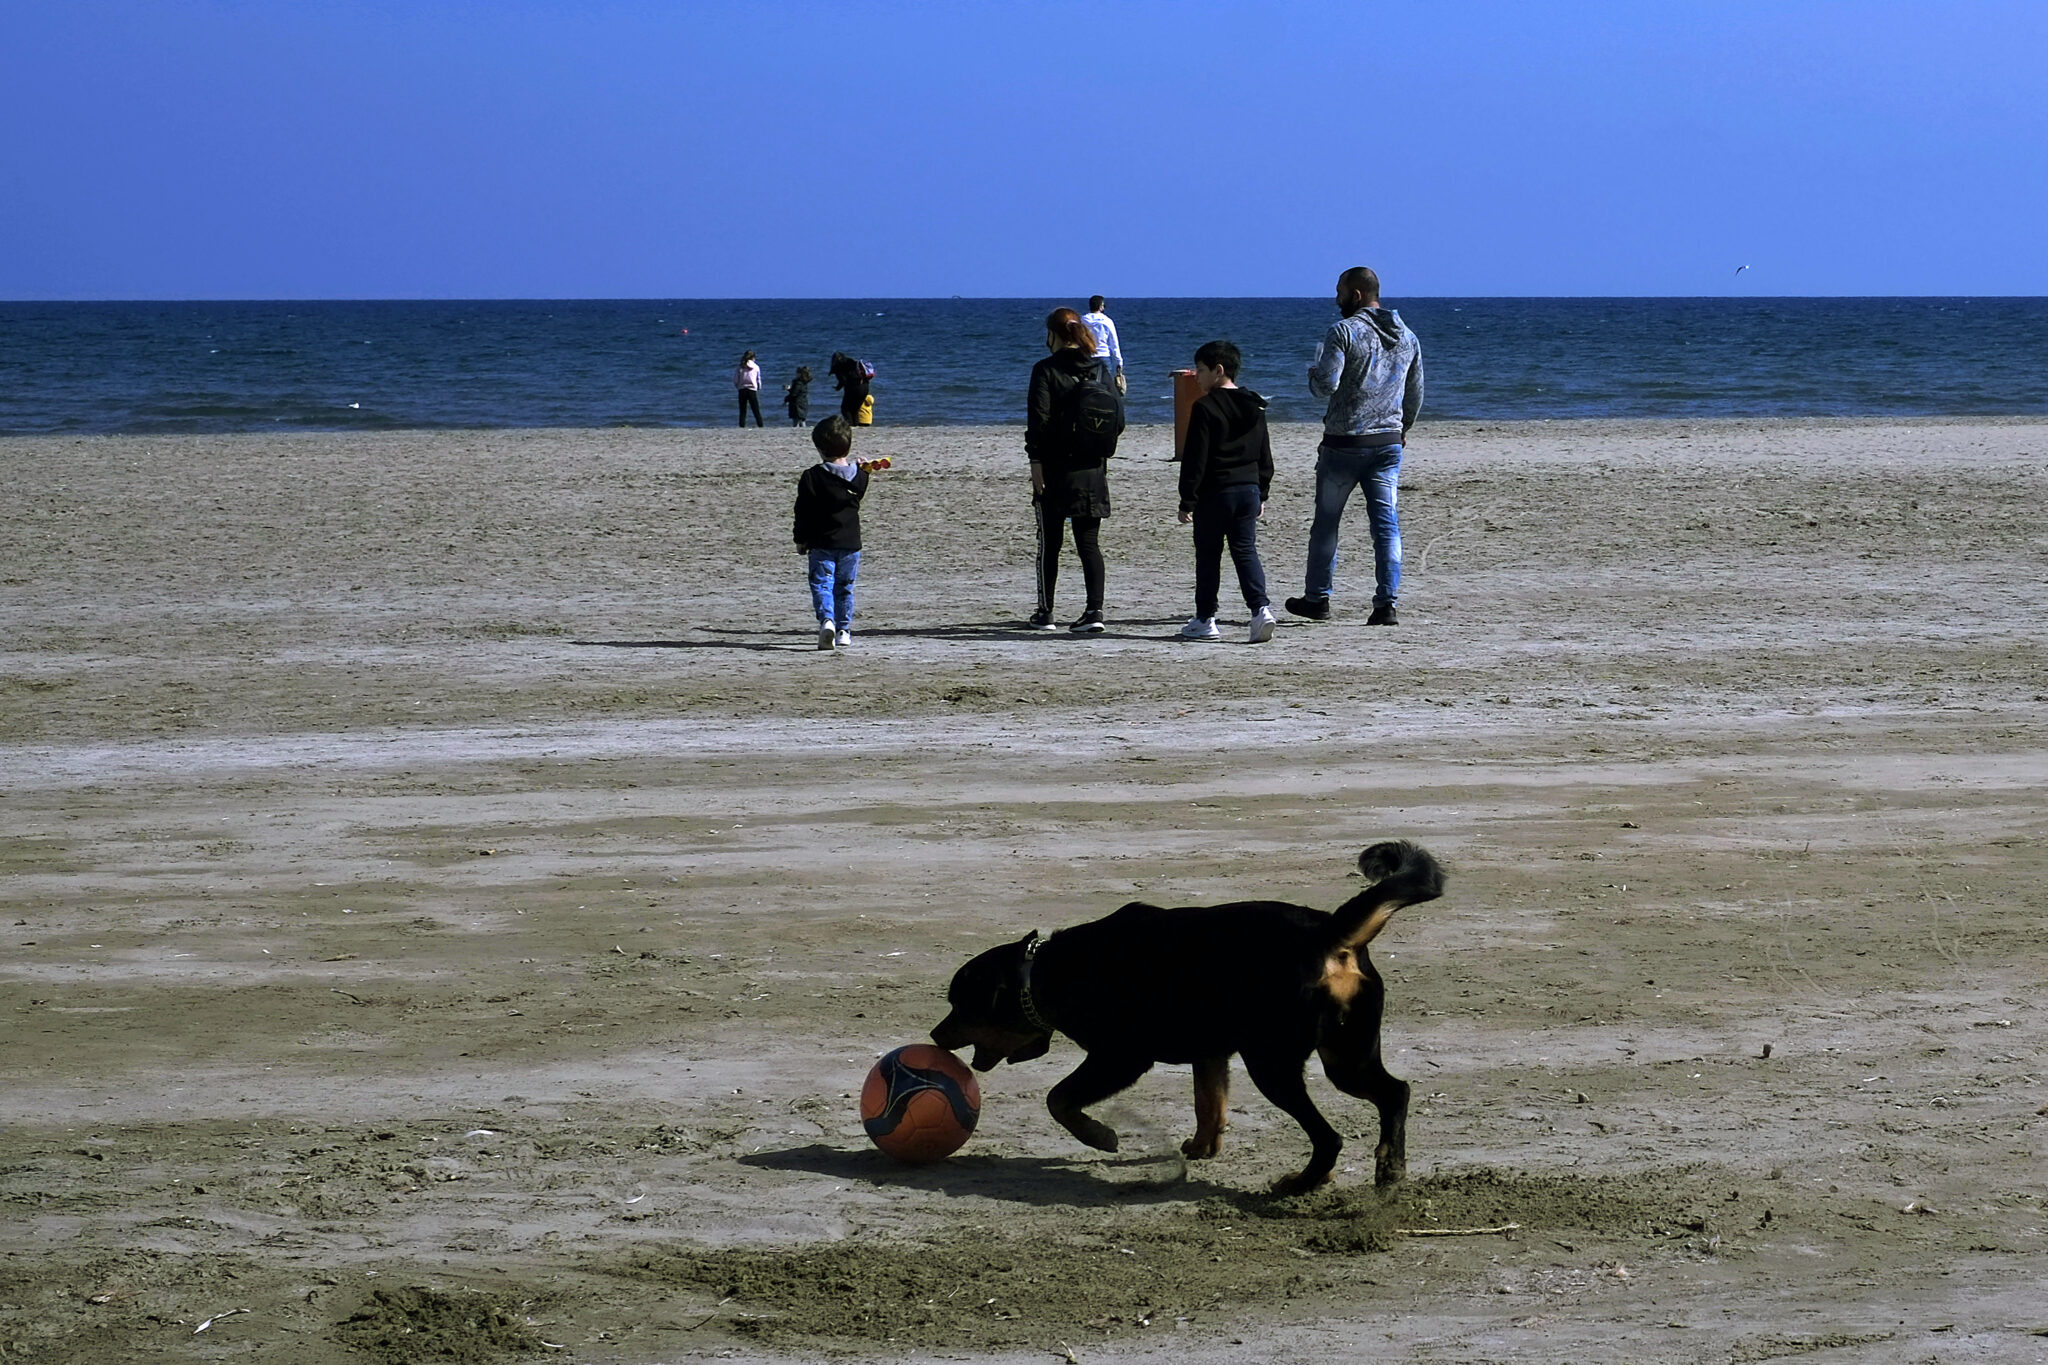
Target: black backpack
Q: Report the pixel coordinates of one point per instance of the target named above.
(1096, 418)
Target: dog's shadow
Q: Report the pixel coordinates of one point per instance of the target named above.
(1094, 1183)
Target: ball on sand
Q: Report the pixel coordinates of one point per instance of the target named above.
(919, 1103)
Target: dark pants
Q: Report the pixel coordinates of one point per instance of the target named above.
(1087, 544)
(750, 399)
(1231, 513)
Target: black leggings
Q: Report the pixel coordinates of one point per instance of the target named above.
(1087, 544)
(750, 398)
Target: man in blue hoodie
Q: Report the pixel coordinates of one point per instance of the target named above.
(1370, 369)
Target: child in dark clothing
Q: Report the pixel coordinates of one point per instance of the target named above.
(796, 396)
(1226, 470)
(828, 528)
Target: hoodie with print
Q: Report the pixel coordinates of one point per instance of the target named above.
(1370, 368)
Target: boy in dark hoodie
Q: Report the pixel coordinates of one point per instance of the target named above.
(828, 528)
(1226, 470)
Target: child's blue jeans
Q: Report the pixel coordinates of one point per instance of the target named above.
(832, 575)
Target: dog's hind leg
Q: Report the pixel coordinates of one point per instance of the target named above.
(1350, 1049)
(1212, 1096)
(1279, 1078)
(1099, 1076)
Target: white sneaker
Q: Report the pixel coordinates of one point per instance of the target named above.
(1200, 628)
(1262, 626)
(827, 635)
(845, 638)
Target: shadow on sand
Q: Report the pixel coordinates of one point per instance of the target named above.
(1095, 1183)
(726, 637)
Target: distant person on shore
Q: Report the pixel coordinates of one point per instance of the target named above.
(796, 396)
(747, 379)
(1226, 470)
(828, 528)
(1370, 368)
(1109, 357)
(855, 381)
(1070, 430)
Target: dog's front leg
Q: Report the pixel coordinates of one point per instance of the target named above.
(1279, 1078)
(1097, 1078)
(1212, 1097)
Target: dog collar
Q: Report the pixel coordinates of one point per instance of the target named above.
(1024, 997)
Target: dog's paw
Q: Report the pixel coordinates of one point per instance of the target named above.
(1301, 1182)
(1096, 1134)
(1388, 1169)
(1201, 1147)
(1100, 1136)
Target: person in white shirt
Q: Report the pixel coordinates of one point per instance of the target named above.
(747, 379)
(1109, 357)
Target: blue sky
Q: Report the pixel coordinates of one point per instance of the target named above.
(344, 148)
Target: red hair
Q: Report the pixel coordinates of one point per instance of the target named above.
(1066, 324)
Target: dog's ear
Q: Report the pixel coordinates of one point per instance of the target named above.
(1028, 939)
(1031, 1050)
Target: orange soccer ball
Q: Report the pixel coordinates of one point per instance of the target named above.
(919, 1103)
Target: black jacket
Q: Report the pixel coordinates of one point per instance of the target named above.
(798, 398)
(1227, 444)
(851, 380)
(1048, 435)
(828, 509)
(1075, 484)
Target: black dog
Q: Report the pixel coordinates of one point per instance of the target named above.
(1267, 980)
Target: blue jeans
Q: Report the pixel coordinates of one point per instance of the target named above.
(1378, 469)
(832, 575)
(1228, 513)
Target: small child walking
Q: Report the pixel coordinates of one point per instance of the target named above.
(796, 396)
(828, 528)
(1226, 471)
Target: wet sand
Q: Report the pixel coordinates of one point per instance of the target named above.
(451, 902)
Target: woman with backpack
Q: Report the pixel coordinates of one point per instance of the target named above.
(1070, 431)
(853, 378)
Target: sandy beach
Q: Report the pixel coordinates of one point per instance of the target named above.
(450, 902)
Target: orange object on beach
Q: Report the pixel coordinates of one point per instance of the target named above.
(872, 465)
(1185, 392)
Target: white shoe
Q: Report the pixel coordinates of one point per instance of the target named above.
(1200, 628)
(844, 638)
(827, 635)
(1262, 626)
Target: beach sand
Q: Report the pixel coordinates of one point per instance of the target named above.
(450, 902)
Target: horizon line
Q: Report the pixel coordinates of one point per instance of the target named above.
(938, 298)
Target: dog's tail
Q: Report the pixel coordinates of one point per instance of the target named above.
(1401, 874)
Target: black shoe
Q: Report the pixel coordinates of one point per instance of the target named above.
(1090, 622)
(1314, 608)
(1042, 620)
(1382, 615)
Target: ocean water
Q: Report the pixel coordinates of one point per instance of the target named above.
(216, 367)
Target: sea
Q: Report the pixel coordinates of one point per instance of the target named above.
(365, 366)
